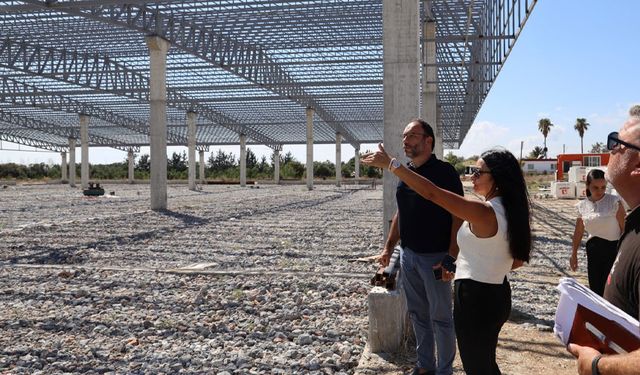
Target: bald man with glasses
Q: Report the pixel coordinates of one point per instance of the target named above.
(623, 285)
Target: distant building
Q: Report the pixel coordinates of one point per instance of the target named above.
(539, 166)
(566, 161)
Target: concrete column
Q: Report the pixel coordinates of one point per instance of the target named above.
(191, 139)
(72, 162)
(84, 144)
(338, 159)
(63, 167)
(243, 160)
(357, 164)
(130, 160)
(202, 177)
(439, 135)
(309, 113)
(276, 166)
(430, 87)
(386, 334)
(158, 48)
(401, 79)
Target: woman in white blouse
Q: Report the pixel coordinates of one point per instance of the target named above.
(602, 215)
(494, 239)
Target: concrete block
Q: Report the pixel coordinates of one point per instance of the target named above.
(387, 320)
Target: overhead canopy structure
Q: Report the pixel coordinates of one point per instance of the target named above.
(245, 66)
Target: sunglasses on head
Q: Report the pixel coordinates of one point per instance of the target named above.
(613, 141)
(476, 172)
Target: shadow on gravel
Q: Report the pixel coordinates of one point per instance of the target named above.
(539, 348)
(187, 220)
(78, 254)
(560, 244)
(520, 317)
(551, 220)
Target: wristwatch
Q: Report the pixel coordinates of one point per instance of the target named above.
(594, 365)
(394, 164)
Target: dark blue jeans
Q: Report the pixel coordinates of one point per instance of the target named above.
(479, 312)
(429, 307)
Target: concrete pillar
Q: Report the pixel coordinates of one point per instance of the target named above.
(130, 160)
(243, 160)
(439, 135)
(84, 144)
(401, 85)
(63, 167)
(357, 164)
(338, 159)
(191, 139)
(158, 48)
(429, 85)
(202, 177)
(276, 166)
(309, 113)
(72, 162)
(386, 334)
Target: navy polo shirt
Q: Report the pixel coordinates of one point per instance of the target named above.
(424, 226)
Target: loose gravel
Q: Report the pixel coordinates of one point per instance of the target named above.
(228, 280)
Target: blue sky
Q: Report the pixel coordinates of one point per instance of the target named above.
(574, 58)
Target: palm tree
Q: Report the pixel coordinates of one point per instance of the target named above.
(544, 125)
(598, 148)
(536, 153)
(581, 126)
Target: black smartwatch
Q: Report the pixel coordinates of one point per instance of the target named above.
(594, 365)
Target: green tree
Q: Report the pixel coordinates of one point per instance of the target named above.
(178, 162)
(324, 169)
(221, 162)
(545, 125)
(598, 148)
(456, 161)
(293, 169)
(288, 157)
(143, 164)
(251, 159)
(536, 153)
(581, 126)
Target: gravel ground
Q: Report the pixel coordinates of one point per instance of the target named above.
(229, 280)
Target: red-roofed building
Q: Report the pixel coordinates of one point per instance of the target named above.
(566, 161)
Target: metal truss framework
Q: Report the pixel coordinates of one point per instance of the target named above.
(245, 66)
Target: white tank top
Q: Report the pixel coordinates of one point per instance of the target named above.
(487, 260)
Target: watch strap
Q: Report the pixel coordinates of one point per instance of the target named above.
(594, 365)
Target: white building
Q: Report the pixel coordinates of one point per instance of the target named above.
(539, 166)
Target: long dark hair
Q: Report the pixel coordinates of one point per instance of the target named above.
(510, 184)
(594, 174)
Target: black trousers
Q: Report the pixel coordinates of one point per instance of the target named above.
(600, 257)
(479, 312)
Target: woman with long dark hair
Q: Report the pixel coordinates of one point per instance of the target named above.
(494, 239)
(602, 215)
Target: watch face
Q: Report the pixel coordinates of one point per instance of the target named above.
(395, 164)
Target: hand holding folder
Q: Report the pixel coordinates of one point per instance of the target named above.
(586, 319)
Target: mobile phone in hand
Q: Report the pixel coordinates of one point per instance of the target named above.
(437, 273)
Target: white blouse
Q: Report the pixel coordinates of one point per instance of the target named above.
(487, 260)
(599, 217)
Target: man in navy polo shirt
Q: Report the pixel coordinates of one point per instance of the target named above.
(427, 233)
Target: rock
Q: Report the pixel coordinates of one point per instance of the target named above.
(305, 339)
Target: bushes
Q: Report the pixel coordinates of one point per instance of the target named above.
(220, 165)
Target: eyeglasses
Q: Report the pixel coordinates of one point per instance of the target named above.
(412, 135)
(476, 172)
(613, 141)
